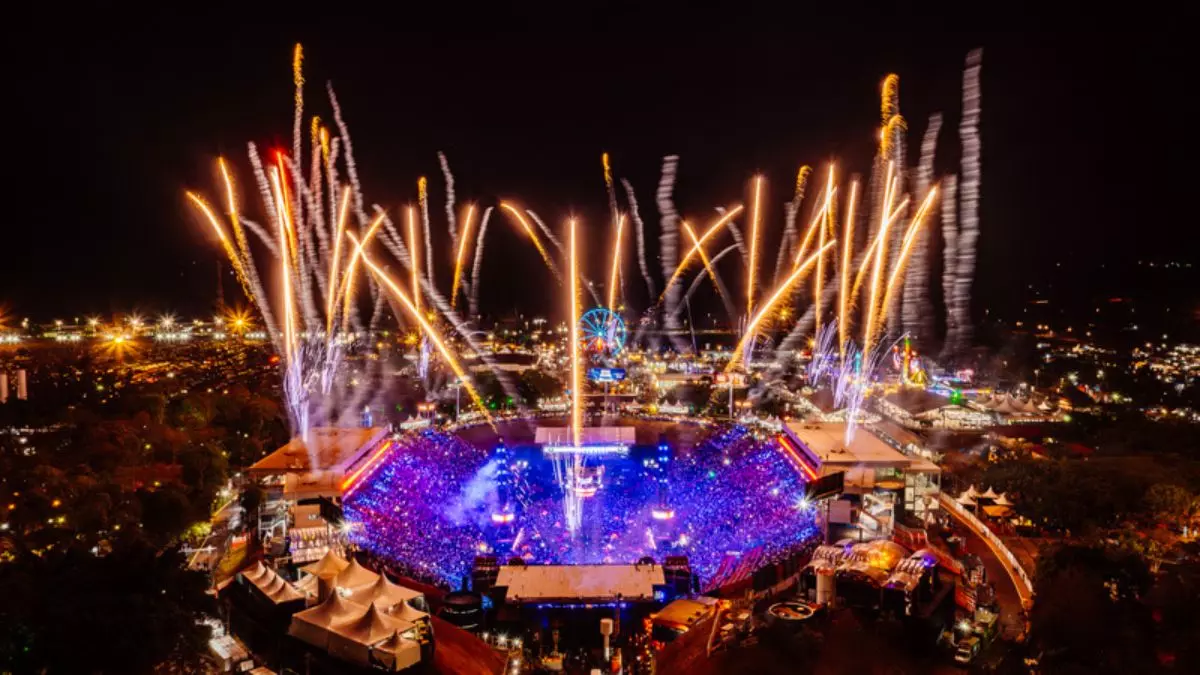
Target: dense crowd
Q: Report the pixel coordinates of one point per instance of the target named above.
(427, 508)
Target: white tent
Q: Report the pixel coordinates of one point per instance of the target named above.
(351, 640)
(328, 566)
(384, 593)
(1002, 500)
(313, 625)
(971, 492)
(398, 652)
(354, 576)
(407, 612)
(966, 500)
(270, 584)
(990, 494)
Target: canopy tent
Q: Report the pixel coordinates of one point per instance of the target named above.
(1002, 500)
(989, 494)
(384, 593)
(352, 640)
(971, 492)
(966, 500)
(397, 652)
(313, 625)
(328, 566)
(272, 586)
(406, 612)
(355, 576)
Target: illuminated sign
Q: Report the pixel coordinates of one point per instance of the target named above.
(586, 449)
(606, 374)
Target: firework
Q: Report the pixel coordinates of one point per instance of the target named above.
(906, 248)
(451, 222)
(641, 236)
(789, 223)
(917, 312)
(844, 271)
(516, 213)
(478, 264)
(752, 268)
(698, 244)
(427, 329)
(616, 257)
(413, 246)
(546, 231)
(669, 245)
(819, 278)
(423, 202)
(780, 291)
(462, 248)
(950, 258)
(968, 131)
(576, 379)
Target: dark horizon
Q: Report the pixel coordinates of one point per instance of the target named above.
(1080, 164)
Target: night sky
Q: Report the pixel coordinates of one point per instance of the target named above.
(1083, 137)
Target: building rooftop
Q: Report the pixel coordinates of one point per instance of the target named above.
(825, 440)
(550, 583)
(331, 449)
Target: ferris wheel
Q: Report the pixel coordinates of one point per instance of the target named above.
(602, 332)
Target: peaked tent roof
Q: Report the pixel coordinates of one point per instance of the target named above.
(383, 592)
(329, 565)
(355, 576)
(407, 612)
(371, 627)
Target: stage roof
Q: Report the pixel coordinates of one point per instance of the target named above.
(336, 449)
(588, 436)
(581, 583)
(825, 440)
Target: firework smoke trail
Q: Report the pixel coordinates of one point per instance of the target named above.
(968, 131)
(451, 220)
(641, 236)
(427, 254)
(711, 271)
(474, 299)
(880, 245)
(546, 231)
(697, 246)
(791, 210)
(516, 213)
(669, 246)
(752, 324)
(916, 312)
(426, 328)
(950, 259)
(616, 257)
(823, 354)
(298, 115)
(914, 230)
(721, 289)
(458, 260)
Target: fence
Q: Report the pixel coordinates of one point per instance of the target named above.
(1020, 579)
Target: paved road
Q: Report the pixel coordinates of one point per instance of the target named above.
(1007, 594)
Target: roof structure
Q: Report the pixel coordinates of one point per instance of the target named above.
(387, 595)
(826, 440)
(327, 449)
(274, 587)
(328, 566)
(557, 583)
(588, 436)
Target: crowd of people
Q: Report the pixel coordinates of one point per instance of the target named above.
(427, 508)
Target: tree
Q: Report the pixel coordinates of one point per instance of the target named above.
(1169, 503)
(1089, 616)
(135, 610)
